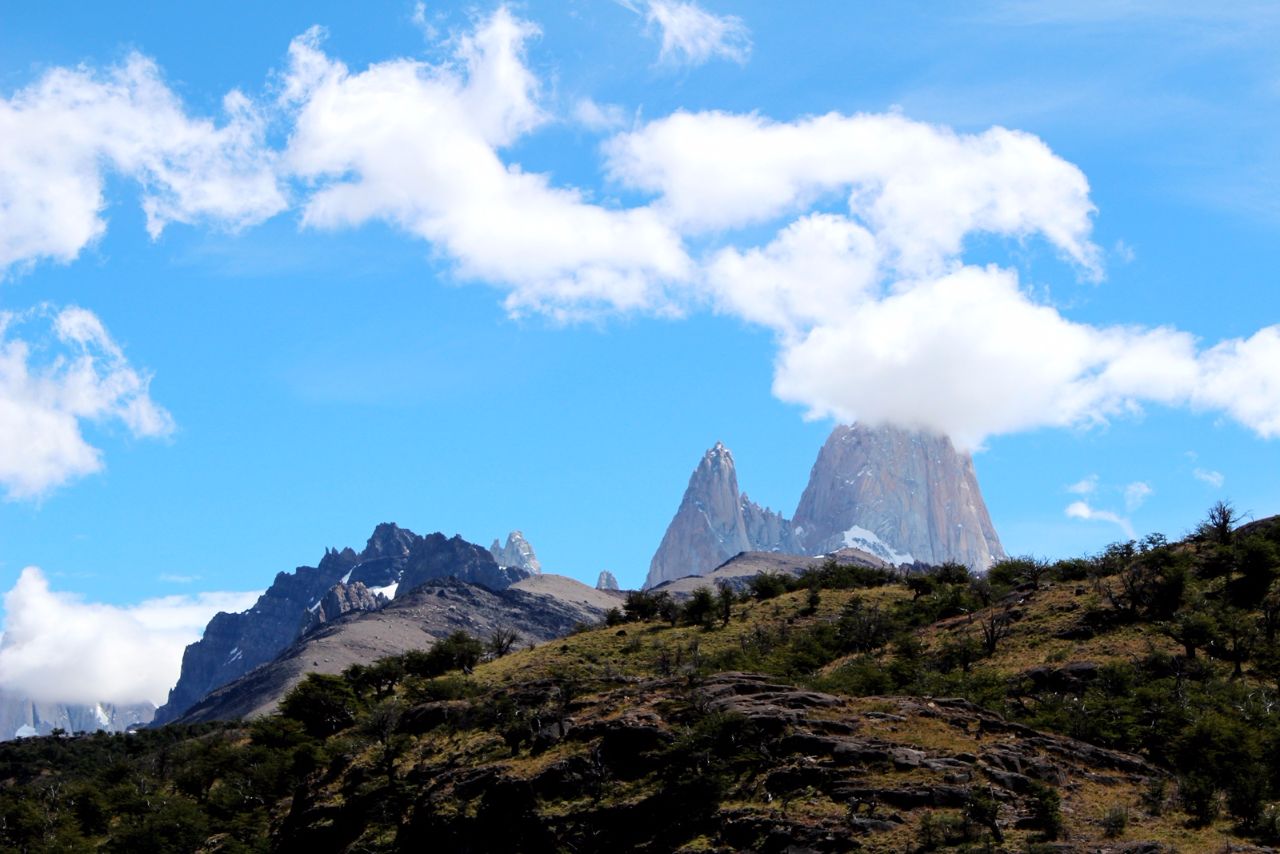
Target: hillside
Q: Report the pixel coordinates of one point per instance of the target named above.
(1124, 702)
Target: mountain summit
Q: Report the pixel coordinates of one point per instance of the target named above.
(715, 522)
(904, 496)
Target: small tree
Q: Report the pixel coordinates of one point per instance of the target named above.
(996, 625)
(322, 703)
(724, 598)
(501, 642)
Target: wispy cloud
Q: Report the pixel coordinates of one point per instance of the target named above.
(1085, 486)
(1136, 494)
(1209, 476)
(1082, 510)
(690, 34)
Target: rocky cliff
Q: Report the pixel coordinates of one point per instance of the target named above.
(715, 522)
(606, 581)
(394, 562)
(903, 496)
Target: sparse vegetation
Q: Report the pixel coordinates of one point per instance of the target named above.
(1170, 650)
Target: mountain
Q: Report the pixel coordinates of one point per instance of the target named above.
(517, 552)
(414, 621)
(903, 496)
(715, 522)
(21, 717)
(606, 581)
(394, 562)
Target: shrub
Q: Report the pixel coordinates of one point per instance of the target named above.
(1115, 821)
(322, 703)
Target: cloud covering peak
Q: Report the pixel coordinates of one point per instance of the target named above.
(847, 236)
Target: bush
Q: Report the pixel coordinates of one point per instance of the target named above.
(1046, 810)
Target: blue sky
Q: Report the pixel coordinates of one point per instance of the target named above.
(297, 330)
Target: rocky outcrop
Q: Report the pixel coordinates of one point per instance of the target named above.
(517, 552)
(606, 581)
(714, 523)
(434, 556)
(904, 495)
(343, 599)
(21, 717)
(734, 762)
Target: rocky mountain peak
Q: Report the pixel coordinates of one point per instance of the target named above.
(903, 495)
(606, 581)
(714, 523)
(517, 552)
(388, 540)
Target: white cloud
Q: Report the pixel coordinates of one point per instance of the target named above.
(417, 145)
(1213, 478)
(1082, 510)
(862, 275)
(598, 117)
(71, 372)
(693, 36)
(921, 188)
(59, 648)
(64, 131)
(1136, 494)
(1084, 486)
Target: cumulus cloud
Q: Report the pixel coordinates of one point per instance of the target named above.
(58, 371)
(65, 131)
(59, 648)
(1209, 476)
(1083, 510)
(863, 273)
(693, 36)
(417, 145)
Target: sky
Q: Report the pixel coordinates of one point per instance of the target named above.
(271, 276)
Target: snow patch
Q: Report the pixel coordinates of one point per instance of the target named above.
(25, 731)
(100, 713)
(235, 655)
(389, 591)
(347, 577)
(860, 538)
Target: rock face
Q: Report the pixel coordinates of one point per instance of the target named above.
(394, 562)
(714, 523)
(606, 581)
(517, 552)
(21, 717)
(901, 495)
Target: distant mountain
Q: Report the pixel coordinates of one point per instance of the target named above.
(395, 561)
(21, 717)
(903, 496)
(413, 621)
(517, 552)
